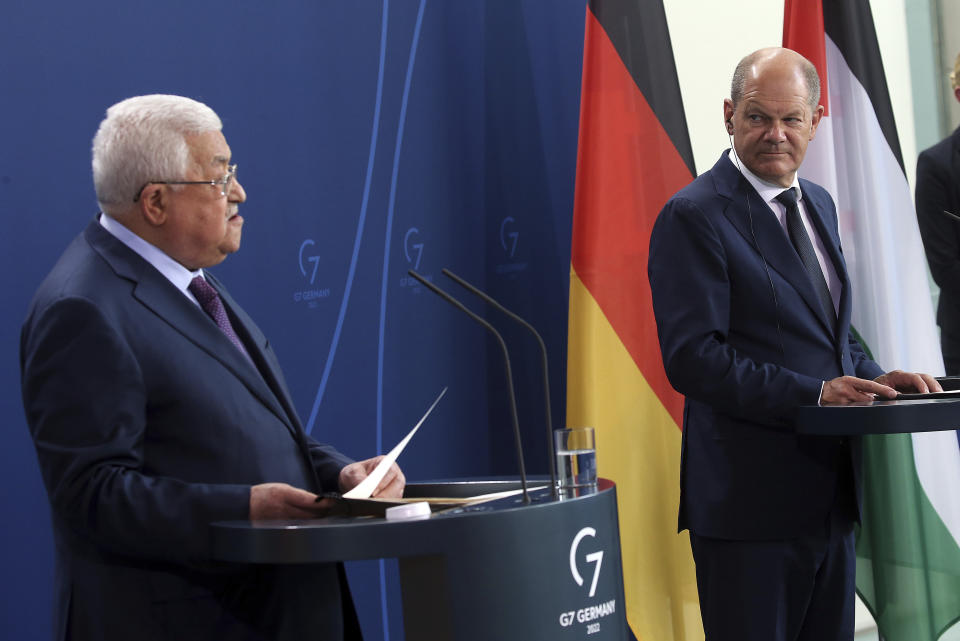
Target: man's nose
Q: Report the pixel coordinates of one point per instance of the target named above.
(775, 132)
(237, 194)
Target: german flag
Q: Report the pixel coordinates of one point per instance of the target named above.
(634, 153)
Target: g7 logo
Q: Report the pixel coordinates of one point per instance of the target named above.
(513, 236)
(310, 259)
(416, 247)
(593, 557)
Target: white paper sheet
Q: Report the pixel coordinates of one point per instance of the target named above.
(366, 487)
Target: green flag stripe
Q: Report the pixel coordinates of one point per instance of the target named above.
(907, 560)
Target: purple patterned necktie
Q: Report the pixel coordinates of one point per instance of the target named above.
(210, 301)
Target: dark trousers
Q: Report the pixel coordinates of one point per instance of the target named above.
(796, 590)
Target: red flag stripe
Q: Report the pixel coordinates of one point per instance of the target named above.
(627, 168)
(803, 32)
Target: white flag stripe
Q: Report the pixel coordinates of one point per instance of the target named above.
(892, 308)
(937, 457)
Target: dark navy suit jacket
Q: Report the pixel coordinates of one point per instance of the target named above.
(744, 338)
(938, 190)
(149, 425)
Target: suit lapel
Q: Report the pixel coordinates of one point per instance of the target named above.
(260, 351)
(156, 293)
(771, 240)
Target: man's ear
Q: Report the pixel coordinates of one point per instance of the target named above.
(728, 112)
(815, 120)
(153, 205)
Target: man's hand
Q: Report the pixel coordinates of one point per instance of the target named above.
(909, 382)
(850, 389)
(390, 487)
(282, 501)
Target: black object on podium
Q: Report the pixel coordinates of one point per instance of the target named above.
(549, 570)
(886, 417)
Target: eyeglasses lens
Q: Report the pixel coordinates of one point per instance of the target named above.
(227, 181)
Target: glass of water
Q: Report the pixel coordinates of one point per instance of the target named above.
(576, 450)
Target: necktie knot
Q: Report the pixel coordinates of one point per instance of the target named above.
(211, 303)
(788, 198)
(206, 295)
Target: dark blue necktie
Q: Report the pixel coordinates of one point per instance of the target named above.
(808, 256)
(210, 301)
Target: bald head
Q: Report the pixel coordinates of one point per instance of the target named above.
(775, 61)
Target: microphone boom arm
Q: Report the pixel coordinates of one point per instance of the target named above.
(543, 355)
(506, 362)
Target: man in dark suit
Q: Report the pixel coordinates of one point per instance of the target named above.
(753, 321)
(938, 191)
(157, 406)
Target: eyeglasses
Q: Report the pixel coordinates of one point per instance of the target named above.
(226, 182)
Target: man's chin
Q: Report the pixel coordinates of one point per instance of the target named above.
(231, 243)
(230, 247)
(775, 171)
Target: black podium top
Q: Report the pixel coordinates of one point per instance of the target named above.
(344, 538)
(880, 417)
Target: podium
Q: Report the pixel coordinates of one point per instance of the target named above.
(549, 570)
(880, 417)
(885, 417)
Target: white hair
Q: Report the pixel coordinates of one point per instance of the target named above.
(142, 140)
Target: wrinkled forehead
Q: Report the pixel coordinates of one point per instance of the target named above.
(209, 150)
(776, 87)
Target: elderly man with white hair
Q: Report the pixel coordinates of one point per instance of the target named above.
(157, 406)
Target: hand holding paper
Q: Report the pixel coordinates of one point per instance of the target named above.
(391, 486)
(366, 487)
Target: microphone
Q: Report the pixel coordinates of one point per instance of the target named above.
(506, 362)
(543, 354)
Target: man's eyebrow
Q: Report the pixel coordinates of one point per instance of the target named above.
(756, 109)
(220, 160)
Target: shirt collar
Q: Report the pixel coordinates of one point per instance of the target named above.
(173, 271)
(767, 190)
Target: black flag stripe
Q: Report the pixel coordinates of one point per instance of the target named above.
(849, 23)
(638, 31)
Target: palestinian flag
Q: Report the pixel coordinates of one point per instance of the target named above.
(634, 153)
(908, 557)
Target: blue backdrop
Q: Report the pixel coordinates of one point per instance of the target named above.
(372, 136)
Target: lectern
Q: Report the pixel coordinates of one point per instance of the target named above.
(881, 417)
(549, 570)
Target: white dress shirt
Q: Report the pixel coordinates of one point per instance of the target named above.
(173, 271)
(769, 192)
